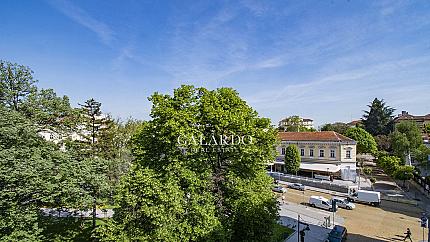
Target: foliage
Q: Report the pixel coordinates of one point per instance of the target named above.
(389, 164)
(367, 171)
(383, 142)
(33, 173)
(372, 180)
(405, 138)
(379, 119)
(422, 153)
(292, 159)
(66, 229)
(48, 111)
(365, 141)
(16, 83)
(338, 127)
(281, 233)
(404, 173)
(210, 193)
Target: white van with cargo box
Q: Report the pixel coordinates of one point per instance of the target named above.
(363, 196)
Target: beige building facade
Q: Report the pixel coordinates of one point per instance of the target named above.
(322, 153)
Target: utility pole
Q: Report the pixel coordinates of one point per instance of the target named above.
(298, 228)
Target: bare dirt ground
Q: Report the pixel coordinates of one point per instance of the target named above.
(366, 223)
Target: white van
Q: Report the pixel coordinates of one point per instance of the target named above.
(363, 196)
(320, 202)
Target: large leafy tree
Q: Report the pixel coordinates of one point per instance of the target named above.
(181, 189)
(16, 83)
(406, 138)
(33, 173)
(379, 119)
(365, 141)
(292, 159)
(49, 111)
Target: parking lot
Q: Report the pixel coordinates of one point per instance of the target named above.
(366, 223)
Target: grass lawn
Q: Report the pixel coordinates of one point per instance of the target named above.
(281, 233)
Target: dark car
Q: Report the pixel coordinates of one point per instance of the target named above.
(337, 234)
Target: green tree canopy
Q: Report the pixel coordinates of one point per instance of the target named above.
(338, 127)
(292, 159)
(181, 189)
(404, 173)
(389, 164)
(379, 119)
(422, 153)
(406, 138)
(33, 173)
(365, 141)
(16, 83)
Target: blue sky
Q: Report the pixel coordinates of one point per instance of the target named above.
(324, 60)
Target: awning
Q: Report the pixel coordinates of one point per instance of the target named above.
(320, 167)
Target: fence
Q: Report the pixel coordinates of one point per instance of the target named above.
(328, 185)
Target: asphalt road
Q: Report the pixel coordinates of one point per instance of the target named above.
(366, 223)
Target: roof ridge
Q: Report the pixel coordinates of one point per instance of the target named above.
(337, 137)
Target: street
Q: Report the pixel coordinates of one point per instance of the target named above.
(365, 223)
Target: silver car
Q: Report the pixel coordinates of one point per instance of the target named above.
(280, 189)
(297, 186)
(343, 203)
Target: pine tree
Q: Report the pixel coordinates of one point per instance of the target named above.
(94, 166)
(379, 119)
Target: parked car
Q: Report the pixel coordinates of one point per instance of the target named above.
(321, 202)
(280, 189)
(297, 186)
(363, 196)
(337, 234)
(343, 203)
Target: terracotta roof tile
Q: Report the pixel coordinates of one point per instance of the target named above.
(329, 136)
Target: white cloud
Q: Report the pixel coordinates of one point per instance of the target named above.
(103, 31)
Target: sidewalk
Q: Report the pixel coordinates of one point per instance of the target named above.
(415, 194)
(313, 217)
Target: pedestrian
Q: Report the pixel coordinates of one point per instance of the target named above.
(408, 235)
(283, 199)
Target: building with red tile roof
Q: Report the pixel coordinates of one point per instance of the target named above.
(322, 153)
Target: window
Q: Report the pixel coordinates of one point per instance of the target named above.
(283, 151)
(348, 154)
(321, 153)
(332, 154)
(311, 152)
(302, 152)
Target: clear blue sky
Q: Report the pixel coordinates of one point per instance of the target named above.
(324, 60)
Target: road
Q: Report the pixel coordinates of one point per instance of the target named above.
(366, 223)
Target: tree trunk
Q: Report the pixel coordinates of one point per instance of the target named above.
(94, 211)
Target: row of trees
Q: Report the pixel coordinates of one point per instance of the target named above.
(161, 191)
(378, 134)
(35, 173)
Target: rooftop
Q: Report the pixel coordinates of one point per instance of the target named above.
(329, 136)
